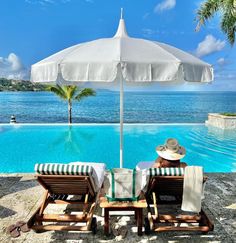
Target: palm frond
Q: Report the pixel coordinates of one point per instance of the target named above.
(85, 93)
(69, 91)
(206, 11)
(227, 8)
(58, 90)
(73, 90)
(228, 25)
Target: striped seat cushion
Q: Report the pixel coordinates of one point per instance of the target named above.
(166, 171)
(64, 169)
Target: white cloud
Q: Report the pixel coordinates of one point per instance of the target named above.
(164, 5)
(226, 75)
(223, 62)
(146, 15)
(231, 76)
(12, 67)
(209, 45)
(149, 32)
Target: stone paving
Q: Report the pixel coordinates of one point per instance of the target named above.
(20, 195)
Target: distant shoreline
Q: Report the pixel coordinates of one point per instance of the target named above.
(159, 92)
(10, 85)
(19, 85)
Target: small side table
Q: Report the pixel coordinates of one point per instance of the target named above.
(136, 206)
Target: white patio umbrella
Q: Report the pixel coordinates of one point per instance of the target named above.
(121, 58)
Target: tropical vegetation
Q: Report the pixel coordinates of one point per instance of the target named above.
(70, 93)
(228, 114)
(227, 11)
(19, 85)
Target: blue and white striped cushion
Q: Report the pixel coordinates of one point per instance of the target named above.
(63, 169)
(173, 171)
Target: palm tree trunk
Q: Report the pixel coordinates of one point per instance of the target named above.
(69, 111)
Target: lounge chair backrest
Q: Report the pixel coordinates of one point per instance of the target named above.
(66, 178)
(166, 181)
(63, 169)
(175, 171)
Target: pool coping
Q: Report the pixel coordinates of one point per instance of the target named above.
(102, 124)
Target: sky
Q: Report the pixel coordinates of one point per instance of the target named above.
(31, 30)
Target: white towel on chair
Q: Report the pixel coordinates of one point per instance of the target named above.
(192, 192)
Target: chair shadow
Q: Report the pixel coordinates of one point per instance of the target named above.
(6, 212)
(13, 184)
(99, 236)
(132, 236)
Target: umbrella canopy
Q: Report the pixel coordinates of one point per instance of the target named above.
(124, 58)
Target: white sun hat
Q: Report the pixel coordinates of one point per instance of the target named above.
(171, 150)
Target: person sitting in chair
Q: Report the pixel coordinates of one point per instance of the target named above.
(170, 154)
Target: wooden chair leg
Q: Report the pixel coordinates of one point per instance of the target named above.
(31, 221)
(44, 203)
(39, 211)
(205, 221)
(136, 215)
(155, 204)
(140, 221)
(85, 207)
(106, 221)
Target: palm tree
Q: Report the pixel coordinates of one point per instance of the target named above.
(227, 8)
(70, 93)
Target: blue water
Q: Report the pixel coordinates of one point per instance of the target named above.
(140, 107)
(23, 146)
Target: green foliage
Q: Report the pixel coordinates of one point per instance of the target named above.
(227, 10)
(85, 93)
(228, 114)
(70, 93)
(19, 85)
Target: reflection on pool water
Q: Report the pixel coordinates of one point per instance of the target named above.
(21, 146)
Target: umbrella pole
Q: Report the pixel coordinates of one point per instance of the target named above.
(121, 121)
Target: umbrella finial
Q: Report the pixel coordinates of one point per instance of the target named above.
(121, 13)
(121, 31)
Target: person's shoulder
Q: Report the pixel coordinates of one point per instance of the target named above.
(156, 165)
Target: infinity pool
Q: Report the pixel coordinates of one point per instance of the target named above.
(21, 146)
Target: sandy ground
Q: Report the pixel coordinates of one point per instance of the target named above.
(20, 195)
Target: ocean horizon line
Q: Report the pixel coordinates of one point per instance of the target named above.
(132, 91)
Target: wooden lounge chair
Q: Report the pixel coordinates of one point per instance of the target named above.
(166, 187)
(62, 181)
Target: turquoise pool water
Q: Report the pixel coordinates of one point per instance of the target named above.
(21, 146)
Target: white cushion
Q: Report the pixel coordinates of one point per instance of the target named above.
(99, 169)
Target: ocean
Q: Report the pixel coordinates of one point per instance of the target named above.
(139, 107)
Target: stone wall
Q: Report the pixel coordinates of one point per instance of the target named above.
(221, 121)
